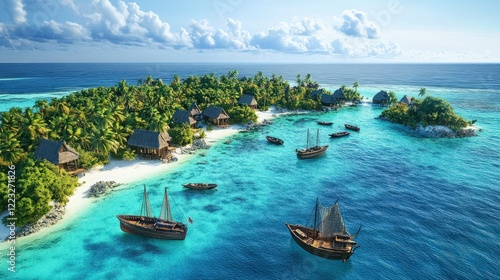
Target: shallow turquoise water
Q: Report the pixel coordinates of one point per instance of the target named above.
(429, 207)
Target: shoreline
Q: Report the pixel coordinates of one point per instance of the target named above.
(125, 172)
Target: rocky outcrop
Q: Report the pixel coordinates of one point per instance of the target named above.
(197, 145)
(101, 188)
(54, 215)
(439, 131)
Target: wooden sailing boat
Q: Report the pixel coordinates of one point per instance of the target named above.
(146, 224)
(327, 238)
(311, 152)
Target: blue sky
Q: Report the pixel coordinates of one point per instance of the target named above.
(249, 31)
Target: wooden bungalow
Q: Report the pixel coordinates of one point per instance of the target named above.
(340, 95)
(195, 112)
(216, 116)
(183, 116)
(328, 100)
(150, 144)
(249, 100)
(382, 97)
(406, 100)
(59, 153)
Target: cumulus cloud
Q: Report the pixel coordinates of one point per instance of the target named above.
(298, 36)
(126, 23)
(355, 23)
(16, 9)
(204, 36)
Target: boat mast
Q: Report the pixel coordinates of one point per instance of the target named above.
(166, 213)
(307, 146)
(317, 139)
(315, 217)
(146, 207)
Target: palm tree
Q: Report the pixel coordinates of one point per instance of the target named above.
(103, 142)
(422, 92)
(355, 85)
(10, 148)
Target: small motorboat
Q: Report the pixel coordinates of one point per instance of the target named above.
(351, 127)
(275, 140)
(339, 134)
(199, 186)
(325, 123)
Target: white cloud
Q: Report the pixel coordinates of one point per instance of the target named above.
(16, 9)
(355, 23)
(125, 23)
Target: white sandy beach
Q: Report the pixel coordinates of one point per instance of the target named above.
(124, 172)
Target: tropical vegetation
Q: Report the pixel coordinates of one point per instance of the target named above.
(98, 121)
(427, 111)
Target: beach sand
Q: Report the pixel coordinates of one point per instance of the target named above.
(123, 172)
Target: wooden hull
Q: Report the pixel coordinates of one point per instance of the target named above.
(325, 123)
(326, 249)
(313, 152)
(275, 140)
(200, 186)
(152, 227)
(351, 127)
(339, 134)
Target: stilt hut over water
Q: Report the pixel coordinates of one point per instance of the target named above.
(150, 144)
(382, 97)
(216, 116)
(59, 153)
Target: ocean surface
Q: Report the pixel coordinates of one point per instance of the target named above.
(429, 208)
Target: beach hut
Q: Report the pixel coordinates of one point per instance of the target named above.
(406, 100)
(328, 100)
(150, 144)
(249, 100)
(216, 116)
(59, 153)
(340, 95)
(183, 116)
(195, 112)
(382, 97)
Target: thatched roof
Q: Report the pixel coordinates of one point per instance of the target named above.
(328, 99)
(149, 139)
(215, 113)
(317, 92)
(339, 94)
(182, 116)
(406, 100)
(382, 96)
(247, 99)
(194, 110)
(57, 152)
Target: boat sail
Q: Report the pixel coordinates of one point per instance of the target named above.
(146, 224)
(328, 238)
(311, 152)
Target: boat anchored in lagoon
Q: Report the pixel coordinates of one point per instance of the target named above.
(146, 224)
(332, 240)
(311, 152)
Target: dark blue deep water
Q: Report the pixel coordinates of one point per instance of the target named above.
(429, 207)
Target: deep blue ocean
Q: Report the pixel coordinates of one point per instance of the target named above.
(429, 208)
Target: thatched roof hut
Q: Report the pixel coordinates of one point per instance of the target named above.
(195, 112)
(328, 100)
(183, 116)
(406, 100)
(339, 94)
(150, 144)
(381, 97)
(59, 153)
(216, 115)
(249, 100)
